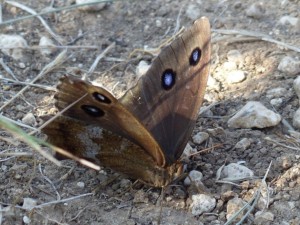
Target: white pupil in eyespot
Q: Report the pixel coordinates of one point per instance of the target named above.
(93, 109)
(168, 79)
(101, 97)
(195, 55)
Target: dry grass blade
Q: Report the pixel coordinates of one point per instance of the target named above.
(96, 61)
(30, 140)
(7, 69)
(259, 36)
(29, 84)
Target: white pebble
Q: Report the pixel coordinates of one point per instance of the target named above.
(188, 151)
(200, 137)
(254, 114)
(234, 56)
(202, 203)
(29, 119)
(235, 76)
(194, 176)
(15, 42)
(289, 66)
(256, 10)
(276, 92)
(158, 23)
(230, 65)
(26, 219)
(46, 45)
(262, 217)
(213, 84)
(243, 144)
(276, 102)
(288, 20)
(142, 68)
(92, 7)
(80, 184)
(233, 206)
(234, 172)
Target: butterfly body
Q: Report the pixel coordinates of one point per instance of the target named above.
(142, 134)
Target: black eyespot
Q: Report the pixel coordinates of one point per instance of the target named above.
(168, 79)
(195, 56)
(101, 98)
(92, 110)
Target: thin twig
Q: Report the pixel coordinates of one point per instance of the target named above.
(99, 57)
(63, 200)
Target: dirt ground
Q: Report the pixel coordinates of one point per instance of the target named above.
(134, 25)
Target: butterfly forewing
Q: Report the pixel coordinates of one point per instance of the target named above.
(168, 97)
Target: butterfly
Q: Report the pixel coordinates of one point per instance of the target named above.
(143, 133)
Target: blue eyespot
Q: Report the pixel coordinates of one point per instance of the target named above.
(101, 98)
(195, 56)
(168, 79)
(92, 110)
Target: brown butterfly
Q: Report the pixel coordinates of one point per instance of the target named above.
(143, 133)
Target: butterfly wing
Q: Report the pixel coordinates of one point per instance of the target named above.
(94, 105)
(168, 97)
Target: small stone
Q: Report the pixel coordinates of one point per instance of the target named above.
(158, 23)
(289, 66)
(296, 119)
(146, 28)
(288, 20)
(194, 176)
(13, 45)
(243, 144)
(276, 92)
(276, 102)
(216, 131)
(29, 203)
(256, 10)
(262, 218)
(200, 137)
(29, 119)
(142, 68)
(213, 84)
(47, 46)
(229, 66)
(234, 172)
(193, 11)
(92, 7)
(202, 203)
(254, 114)
(188, 151)
(26, 219)
(233, 206)
(80, 184)
(22, 65)
(296, 86)
(234, 56)
(235, 76)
